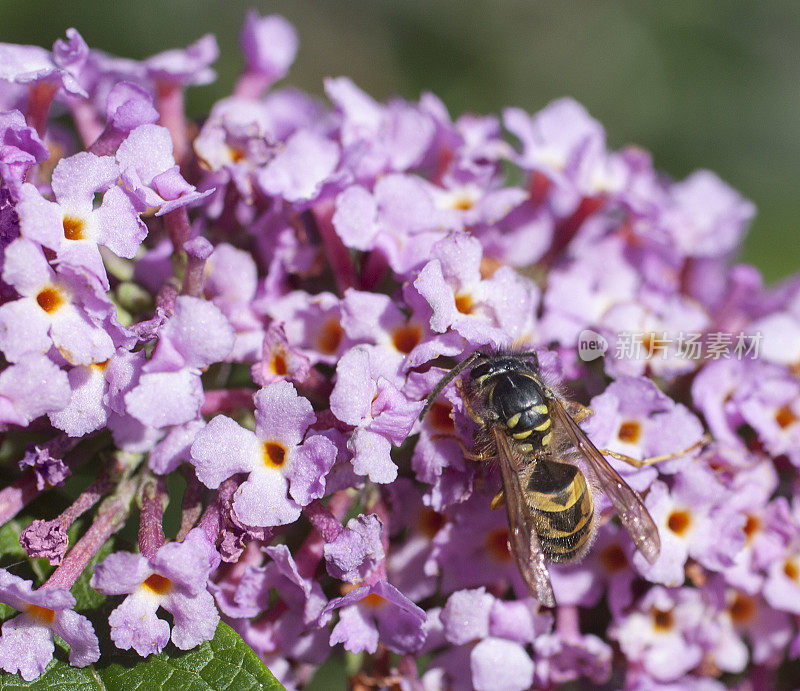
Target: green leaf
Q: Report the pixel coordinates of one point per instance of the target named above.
(226, 662)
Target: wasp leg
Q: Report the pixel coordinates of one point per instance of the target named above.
(639, 463)
(467, 406)
(577, 411)
(498, 501)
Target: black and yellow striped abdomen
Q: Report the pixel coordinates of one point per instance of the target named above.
(561, 502)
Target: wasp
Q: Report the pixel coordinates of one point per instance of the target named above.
(533, 433)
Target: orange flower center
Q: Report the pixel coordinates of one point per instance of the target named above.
(679, 522)
(274, 454)
(330, 336)
(439, 416)
(630, 431)
(73, 228)
(278, 364)
(50, 299)
(157, 584)
(430, 522)
(406, 338)
(613, 558)
(751, 526)
(41, 614)
(497, 545)
(464, 303)
(785, 417)
(742, 609)
(662, 619)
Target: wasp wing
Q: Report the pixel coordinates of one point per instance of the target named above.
(522, 536)
(628, 504)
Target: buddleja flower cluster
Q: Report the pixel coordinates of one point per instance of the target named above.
(260, 303)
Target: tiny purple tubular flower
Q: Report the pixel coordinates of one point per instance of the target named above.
(482, 311)
(381, 413)
(706, 217)
(45, 539)
(498, 664)
(269, 45)
(26, 643)
(19, 402)
(187, 66)
(26, 64)
(299, 170)
(661, 634)
(279, 359)
(20, 148)
(466, 615)
(356, 550)
(169, 391)
(49, 470)
(85, 411)
(70, 225)
(148, 169)
(277, 462)
(561, 659)
(632, 416)
(52, 309)
(377, 612)
(175, 579)
(129, 106)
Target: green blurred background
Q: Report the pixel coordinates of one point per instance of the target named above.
(710, 84)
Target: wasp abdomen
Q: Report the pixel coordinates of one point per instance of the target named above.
(562, 507)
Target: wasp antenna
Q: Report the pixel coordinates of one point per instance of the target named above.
(447, 378)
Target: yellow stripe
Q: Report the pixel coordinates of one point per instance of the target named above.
(543, 426)
(549, 532)
(554, 502)
(513, 420)
(522, 435)
(540, 408)
(547, 438)
(559, 549)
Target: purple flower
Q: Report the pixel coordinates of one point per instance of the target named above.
(26, 643)
(169, 391)
(19, 403)
(356, 550)
(148, 169)
(493, 311)
(32, 64)
(71, 226)
(276, 458)
(382, 415)
(20, 148)
(62, 308)
(377, 612)
(705, 217)
(662, 633)
(176, 579)
(269, 45)
(693, 518)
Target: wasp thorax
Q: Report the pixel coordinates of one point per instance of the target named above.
(519, 401)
